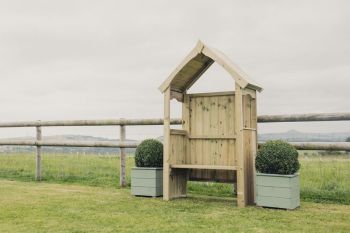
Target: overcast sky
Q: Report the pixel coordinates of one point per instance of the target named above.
(106, 59)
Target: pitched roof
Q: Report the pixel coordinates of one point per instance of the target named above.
(197, 62)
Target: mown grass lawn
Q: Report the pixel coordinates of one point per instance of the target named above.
(323, 178)
(47, 207)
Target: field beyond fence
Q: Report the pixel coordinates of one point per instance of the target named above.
(324, 177)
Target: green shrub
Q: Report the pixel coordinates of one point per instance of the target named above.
(277, 157)
(149, 154)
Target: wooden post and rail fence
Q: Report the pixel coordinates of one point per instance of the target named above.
(123, 143)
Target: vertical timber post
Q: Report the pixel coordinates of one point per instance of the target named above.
(249, 143)
(255, 124)
(254, 149)
(38, 155)
(241, 184)
(122, 178)
(166, 136)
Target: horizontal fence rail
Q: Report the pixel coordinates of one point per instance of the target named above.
(118, 144)
(321, 145)
(305, 117)
(159, 121)
(70, 143)
(123, 143)
(110, 122)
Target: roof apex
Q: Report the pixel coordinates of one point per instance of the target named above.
(197, 62)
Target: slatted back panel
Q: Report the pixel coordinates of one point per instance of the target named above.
(178, 147)
(211, 116)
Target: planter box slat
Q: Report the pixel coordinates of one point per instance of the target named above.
(273, 181)
(147, 173)
(147, 182)
(282, 192)
(278, 202)
(147, 191)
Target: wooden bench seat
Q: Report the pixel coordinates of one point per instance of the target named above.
(197, 166)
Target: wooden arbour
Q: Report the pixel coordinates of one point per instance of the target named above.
(218, 139)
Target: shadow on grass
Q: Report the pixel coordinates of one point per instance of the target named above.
(197, 198)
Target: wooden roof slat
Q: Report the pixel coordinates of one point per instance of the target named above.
(198, 75)
(195, 64)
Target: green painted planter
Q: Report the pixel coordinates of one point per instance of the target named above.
(147, 181)
(277, 191)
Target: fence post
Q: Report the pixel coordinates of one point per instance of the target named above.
(38, 155)
(122, 178)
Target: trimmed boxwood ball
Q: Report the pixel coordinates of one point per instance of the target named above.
(149, 154)
(277, 157)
